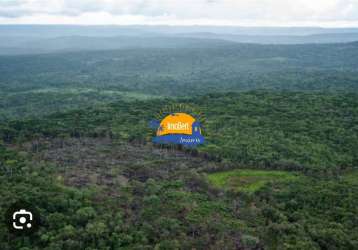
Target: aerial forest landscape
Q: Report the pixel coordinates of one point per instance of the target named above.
(278, 108)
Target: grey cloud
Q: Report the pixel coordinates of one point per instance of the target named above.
(190, 9)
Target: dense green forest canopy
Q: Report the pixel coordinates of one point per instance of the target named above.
(263, 129)
(143, 197)
(41, 84)
(236, 67)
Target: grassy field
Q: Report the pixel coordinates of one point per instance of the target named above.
(247, 180)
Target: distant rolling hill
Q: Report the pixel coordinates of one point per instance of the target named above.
(36, 39)
(78, 43)
(279, 39)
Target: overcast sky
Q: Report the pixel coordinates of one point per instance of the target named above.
(326, 13)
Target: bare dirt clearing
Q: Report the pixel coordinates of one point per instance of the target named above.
(100, 161)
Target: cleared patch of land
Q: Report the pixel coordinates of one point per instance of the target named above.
(248, 180)
(100, 161)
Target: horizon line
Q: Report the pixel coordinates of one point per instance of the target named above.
(184, 25)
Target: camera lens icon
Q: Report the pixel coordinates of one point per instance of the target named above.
(22, 219)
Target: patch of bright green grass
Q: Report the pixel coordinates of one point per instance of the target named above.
(247, 180)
